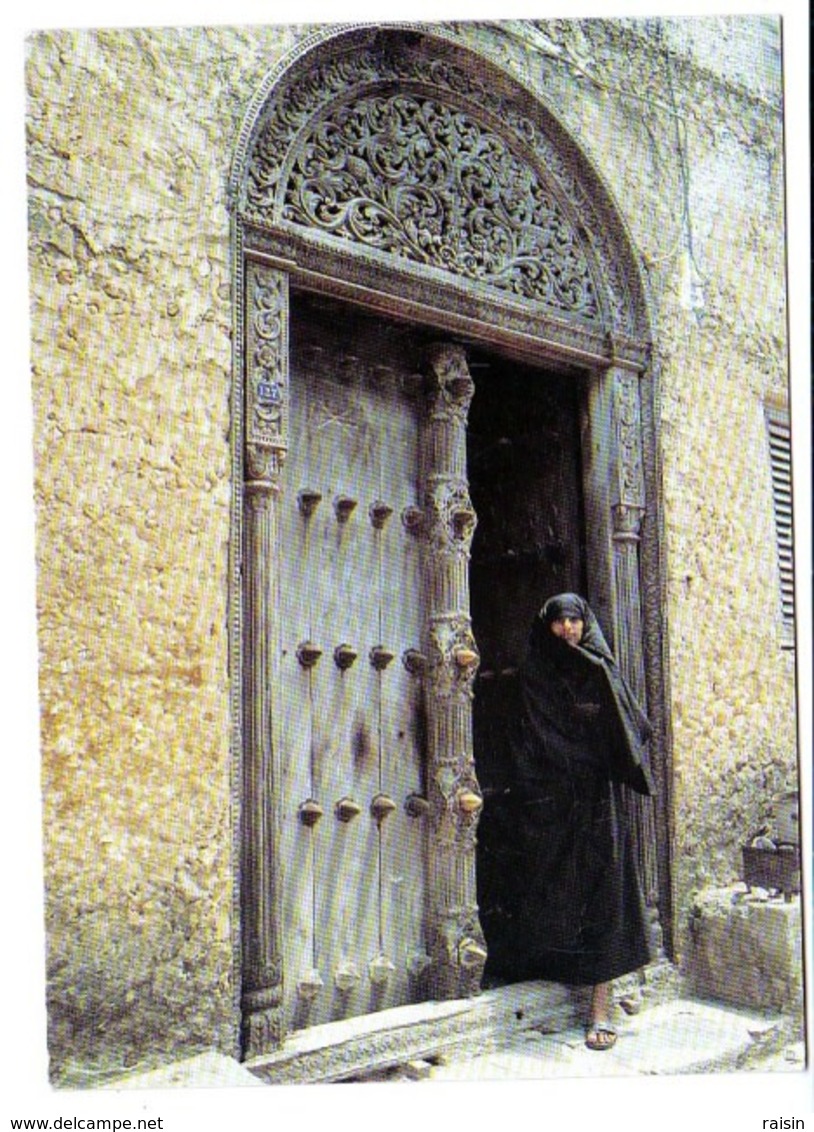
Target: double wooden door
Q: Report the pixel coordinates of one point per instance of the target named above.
(361, 791)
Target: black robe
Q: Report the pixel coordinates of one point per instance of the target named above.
(572, 891)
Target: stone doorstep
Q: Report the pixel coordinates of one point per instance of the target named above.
(432, 1031)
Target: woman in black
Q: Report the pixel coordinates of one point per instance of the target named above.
(581, 912)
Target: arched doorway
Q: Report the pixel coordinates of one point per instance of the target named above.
(407, 215)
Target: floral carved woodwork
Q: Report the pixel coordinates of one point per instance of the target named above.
(397, 144)
(266, 417)
(427, 182)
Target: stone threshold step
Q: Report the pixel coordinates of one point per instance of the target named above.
(425, 1031)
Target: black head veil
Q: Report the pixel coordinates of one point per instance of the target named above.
(576, 699)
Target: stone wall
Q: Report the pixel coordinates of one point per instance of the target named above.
(130, 138)
(130, 135)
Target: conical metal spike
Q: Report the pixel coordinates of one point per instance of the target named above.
(310, 812)
(347, 809)
(308, 654)
(381, 807)
(344, 507)
(380, 512)
(380, 657)
(308, 500)
(344, 656)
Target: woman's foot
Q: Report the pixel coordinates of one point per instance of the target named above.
(601, 1032)
(601, 1035)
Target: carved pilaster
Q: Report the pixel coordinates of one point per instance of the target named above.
(456, 942)
(266, 415)
(628, 511)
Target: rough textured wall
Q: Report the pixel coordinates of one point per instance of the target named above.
(131, 135)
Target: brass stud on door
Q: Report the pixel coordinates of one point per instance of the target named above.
(344, 507)
(346, 809)
(308, 501)
(379, 513)
(346, 977)
(380, 969)
(308, 654)
(380, 657)
(310, 812)
(309, 986)
(381, 807)
(412, 519)
(418, 963)
(466, 658)
(414, 661)
(416, 805)
(344, 656)
(468, 801)
(471, 953)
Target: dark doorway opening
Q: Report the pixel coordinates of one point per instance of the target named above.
(524, 469)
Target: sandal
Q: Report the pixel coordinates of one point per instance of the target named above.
(601, 1035)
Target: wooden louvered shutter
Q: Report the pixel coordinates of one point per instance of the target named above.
(780, 454)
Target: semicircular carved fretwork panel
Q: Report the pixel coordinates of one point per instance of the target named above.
(404, 143)
(425, 181)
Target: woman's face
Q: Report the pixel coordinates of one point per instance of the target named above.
(569, 628)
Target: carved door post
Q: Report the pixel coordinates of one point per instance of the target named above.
(456, 942)
(628, 508)
(265, 451)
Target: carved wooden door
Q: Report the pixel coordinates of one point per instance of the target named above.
(351, 728)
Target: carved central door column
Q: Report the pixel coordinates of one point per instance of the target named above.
(266, 447)
(456, 942)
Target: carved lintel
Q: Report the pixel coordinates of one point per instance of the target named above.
(529, 246)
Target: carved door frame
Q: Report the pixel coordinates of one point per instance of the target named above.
(544, 273)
